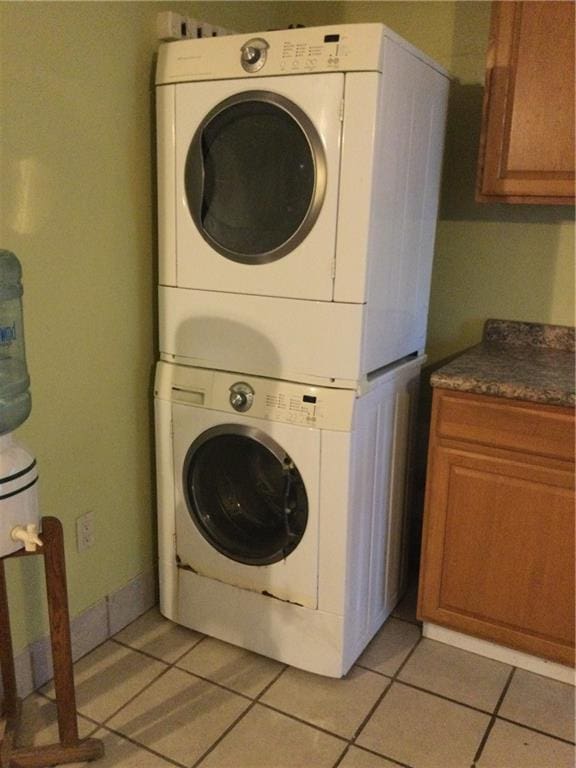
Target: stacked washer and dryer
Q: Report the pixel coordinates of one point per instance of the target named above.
(298, 182)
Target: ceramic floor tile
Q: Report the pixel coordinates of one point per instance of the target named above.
(266, 739)
(423, 730)
(509, 746)
(457, 674)
(179, 716)
(358, 758)
(540, 703)
(390, 646)
(109, 677)
(338, 705)
(121, 753)
(159, 637)
(236, 668)
(39, 723)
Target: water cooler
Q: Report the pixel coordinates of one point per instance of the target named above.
(19, 515)
(20, 525)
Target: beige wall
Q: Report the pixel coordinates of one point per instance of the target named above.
(77, 207)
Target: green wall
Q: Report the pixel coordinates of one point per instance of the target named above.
(77, 207)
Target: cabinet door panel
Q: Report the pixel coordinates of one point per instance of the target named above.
(499, 552)
(527, 145)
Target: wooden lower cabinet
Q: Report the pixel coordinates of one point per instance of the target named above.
(498, 540)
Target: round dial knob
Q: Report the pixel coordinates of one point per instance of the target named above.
(253, 54)
(250, 55)
(241, 396)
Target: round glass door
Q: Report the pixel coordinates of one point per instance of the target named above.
(245, 494)
(255, 177)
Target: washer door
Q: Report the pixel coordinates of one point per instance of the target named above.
(255, 177)
(245, 494)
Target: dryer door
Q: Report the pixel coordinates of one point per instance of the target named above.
(255, 177)
(245, 494)
(256, 170)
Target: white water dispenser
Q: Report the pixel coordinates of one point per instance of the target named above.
(19, 514)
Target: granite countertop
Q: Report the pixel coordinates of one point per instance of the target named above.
(521, 361)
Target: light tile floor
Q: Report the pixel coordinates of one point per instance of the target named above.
(160, 695)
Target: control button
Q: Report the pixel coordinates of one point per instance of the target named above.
(253, 54)
(241, 396)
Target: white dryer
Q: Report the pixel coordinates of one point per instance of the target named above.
(281, 509)
(298, 180)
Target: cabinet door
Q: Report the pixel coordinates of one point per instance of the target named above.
(527, 143)
(498, 560)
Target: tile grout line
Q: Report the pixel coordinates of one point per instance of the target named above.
(393, 678)
(370, 752)
(232, 725)
(536, 730)
(149, 655)
(485, 737)
(138, 744)
(135, 696)
(297, 719)
(445, 698)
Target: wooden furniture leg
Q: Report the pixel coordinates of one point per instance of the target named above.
(9, 704)
(10, 709)
(59, 620)
(70, 749)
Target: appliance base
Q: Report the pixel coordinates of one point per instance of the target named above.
(312, 640)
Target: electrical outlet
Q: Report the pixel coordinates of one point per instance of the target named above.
(85, 531)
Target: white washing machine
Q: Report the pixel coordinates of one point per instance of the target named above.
(281, 509)
(298, 180)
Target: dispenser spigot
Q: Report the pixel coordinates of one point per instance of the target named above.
(27, 535)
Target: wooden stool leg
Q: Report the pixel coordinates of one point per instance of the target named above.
(57, 596)
(10, 702)
(70, 749)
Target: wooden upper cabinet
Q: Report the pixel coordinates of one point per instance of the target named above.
(527, 140)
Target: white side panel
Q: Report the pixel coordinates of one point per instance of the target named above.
(404, 206)
(294, 579)
(388, 587)
(377, 509)
(305, 272)
(165, 148)
(262, 335)
(368, 521)
(165, 505)
(311, 640)
(389, 199)
(333, 537)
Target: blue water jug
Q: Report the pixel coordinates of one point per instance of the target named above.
(15, 401)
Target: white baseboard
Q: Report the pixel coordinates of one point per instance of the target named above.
(89, 629)
(499, 653)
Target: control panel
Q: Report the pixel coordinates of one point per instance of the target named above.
(256, 397)
(342, 48)
(302, 56)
